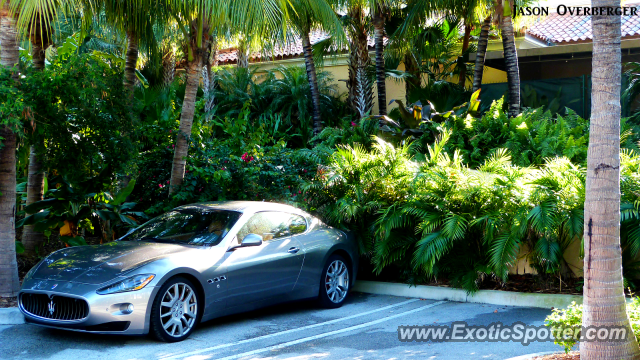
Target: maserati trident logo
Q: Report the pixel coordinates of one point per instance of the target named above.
(52, 307)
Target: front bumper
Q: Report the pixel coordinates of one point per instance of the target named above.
(105, 311)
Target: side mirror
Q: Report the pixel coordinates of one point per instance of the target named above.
(251, 240)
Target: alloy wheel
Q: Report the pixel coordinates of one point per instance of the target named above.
(337, 281)
(178, 310)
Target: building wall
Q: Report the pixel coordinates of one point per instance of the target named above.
(337, 67)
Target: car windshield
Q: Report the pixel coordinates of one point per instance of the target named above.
(193, 226)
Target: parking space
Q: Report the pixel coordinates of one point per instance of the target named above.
(366, 327)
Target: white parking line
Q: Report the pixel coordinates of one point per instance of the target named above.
(195, 352)
(320, 336)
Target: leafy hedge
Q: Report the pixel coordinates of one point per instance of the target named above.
(433, 216)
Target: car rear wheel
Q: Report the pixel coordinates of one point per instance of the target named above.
(175, 310)
(334, 285)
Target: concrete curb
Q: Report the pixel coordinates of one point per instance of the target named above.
(11, 316)
(494, 297)
(531, 356)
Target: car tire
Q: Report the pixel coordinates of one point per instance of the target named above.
(176, 310)
(335, 282)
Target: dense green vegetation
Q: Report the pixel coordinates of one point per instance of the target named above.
(456, 200)
(435, 191)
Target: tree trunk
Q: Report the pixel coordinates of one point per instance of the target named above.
(9, 282)
(35, 187)
(511, 63)
(186, 121)
(378, 24)
(313, 83)
(465, 45)
(35, 184)
(130, 62)
(37, 54)
(483, 41)
(243, 54)
(360, 88)
(168, 68)
(603, 293)
(208, 80)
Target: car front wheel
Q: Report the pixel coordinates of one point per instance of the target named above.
(175, 310)
(334, 285)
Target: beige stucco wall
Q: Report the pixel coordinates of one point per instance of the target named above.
(337, 67)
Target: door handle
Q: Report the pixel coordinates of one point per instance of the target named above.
(293, 250)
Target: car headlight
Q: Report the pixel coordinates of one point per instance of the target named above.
(133, 283)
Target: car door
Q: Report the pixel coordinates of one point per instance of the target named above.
(270, 270)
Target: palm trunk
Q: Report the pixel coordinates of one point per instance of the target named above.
(37, 54)
(360, 88)
(483, 41)
(243, 54)
(465, 45)
(313, 83)
(130, 62)
(207, 73)
(378, 24)
(35, 183)
(169, 68)
(511, 63)
(9, 282)
(186, 121)
(35, 187)
(603, 293)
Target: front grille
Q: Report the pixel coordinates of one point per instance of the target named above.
(55, 307)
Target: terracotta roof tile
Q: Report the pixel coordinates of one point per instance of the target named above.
(563, 29)
(291, 50)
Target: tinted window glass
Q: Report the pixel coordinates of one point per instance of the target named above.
(187, 226)
(298, 225)
(270, 225)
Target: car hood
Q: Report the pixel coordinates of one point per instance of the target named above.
(100, 263)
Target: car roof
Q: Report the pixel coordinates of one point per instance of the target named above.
(245, 206)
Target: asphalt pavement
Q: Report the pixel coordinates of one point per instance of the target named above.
(366, 327)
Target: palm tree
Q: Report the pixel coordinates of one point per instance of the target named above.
(380, 14)
(35, 20)
(360, 87)
(603, 293)
(307, 15)
(39, 32)
(135, 19)
(503, 19)
(202, 18)
(9, 283)
(483, 42)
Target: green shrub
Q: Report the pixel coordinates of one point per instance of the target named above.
(431, 216)
(530, 137)
(571, 317)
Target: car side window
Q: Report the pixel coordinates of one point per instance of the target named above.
(269, 224)
(298, 225)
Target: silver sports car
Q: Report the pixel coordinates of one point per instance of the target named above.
(194, 263)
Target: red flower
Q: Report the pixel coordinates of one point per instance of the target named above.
(300, 192)
(305, 170)
(354, 124)
(169, 131)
